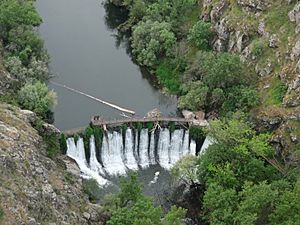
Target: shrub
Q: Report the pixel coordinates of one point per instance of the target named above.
(63, 144)
(258, 47)
(53, 145)
(35, 96)
(169, 77)
(200, 35)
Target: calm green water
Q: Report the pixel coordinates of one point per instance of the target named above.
(88, 55)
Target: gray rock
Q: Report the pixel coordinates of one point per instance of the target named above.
(266, 70)
(255, 5)
(29, 116)
(294, 15)
(295, 51)
(49, 129)
(246, 54)
(237, 41)
(219, 45)
(273, 41)
(86, 215)
(262, 29)
(188, 114)
(222, 30)
(218, 10)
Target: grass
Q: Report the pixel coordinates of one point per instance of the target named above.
(169, 77)
(275, 93)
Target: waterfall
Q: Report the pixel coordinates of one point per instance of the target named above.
(143, 148)
(112, 154)
(76, 152)
(131, 151)
(130, 160)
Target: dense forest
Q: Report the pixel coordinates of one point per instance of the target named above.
(235, 60)
(244, 177)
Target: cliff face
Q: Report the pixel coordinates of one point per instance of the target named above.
(266, 35)
(33, 188)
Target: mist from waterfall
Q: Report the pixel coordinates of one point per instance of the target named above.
(133, 150)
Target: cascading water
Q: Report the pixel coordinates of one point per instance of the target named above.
(76, 152)
(140, 149)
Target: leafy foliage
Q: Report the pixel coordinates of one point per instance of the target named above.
(186, 169)
(169, 77)
(63, 143)
(36, 97)
(14, 13)
(151, 40)
(220, 84)
(133, 208)
(200, 34)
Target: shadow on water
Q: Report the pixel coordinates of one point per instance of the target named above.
(115, 17)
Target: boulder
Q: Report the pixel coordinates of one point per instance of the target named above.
(50, 129)
(188, 114)
(200, 115)
(29, 116)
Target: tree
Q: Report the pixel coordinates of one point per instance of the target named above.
(196, 96)
(151, 40)
(200, 35)
(133, 208)
(35, 96)
(186, 169)
(14, 13)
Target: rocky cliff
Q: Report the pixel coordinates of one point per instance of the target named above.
(266, 35)
(33, 188)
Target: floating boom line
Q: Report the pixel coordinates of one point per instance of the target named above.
(94, 98)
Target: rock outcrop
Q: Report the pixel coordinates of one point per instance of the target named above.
(33, 188)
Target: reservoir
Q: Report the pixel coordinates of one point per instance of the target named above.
(88, 54)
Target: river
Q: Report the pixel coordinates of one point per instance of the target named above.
(87, 54)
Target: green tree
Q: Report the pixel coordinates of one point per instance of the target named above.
(200, 35)
(196, 96)
(186, 169)
(14, 13)
(287, 209)
(35, 96)
(151, 40)
(133, 208)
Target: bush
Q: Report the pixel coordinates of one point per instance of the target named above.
(200, 35)
(25, 43)
(63, 144)
(258, 47)
(36, 97)
(53, 145)
(169, 77)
